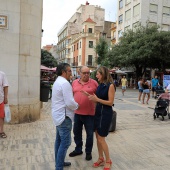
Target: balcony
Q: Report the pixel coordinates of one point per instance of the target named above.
(113, 37)
(74, 64)
(89, 63)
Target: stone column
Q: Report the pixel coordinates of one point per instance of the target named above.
(20, 48)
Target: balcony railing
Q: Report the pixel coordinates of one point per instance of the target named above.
(89, 63)
(74, 64)
(113, 37)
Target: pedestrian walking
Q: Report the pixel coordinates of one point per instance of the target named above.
(131, 82)
(146, 91)
(3, 100)
(140, 88)
(85, 115)
(63, 106)
(154, 85)
(104, 99)
(124, 84)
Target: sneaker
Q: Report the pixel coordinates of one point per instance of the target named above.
(74, 153)
(88, 156)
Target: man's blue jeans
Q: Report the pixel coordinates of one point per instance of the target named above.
(62, 142)
(88, 122)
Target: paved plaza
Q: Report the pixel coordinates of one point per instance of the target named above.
(139, 142)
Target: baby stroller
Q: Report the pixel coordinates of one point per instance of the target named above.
(159, 90)
(161, 109)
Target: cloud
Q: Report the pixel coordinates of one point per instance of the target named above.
(57, 12)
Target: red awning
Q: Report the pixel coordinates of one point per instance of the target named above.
(45, 68)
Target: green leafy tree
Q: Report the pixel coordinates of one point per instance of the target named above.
(146, 47)
(102, 49)
(47, 59)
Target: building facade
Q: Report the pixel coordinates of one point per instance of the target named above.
(80, 34)
(133, 12)
(113, 33)
(52, 49)
(20, 35)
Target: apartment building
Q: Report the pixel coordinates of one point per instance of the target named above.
(79, 35)
(52, 49)
(131, 12)
(113, 33)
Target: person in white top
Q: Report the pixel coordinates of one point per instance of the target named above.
(63, 106)
(3, 100)
(168, 87)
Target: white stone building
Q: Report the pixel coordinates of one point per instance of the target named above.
(20, 44)
(131, 12)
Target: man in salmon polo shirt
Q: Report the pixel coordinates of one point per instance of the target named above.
(3, 100)
(85, 115)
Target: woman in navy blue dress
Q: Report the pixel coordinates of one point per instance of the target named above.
(104, 99)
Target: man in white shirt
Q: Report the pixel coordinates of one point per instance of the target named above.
(63, 106)
(3, 100)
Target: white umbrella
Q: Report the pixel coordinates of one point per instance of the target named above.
(120, 72)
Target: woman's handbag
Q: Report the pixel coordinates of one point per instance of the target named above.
(7, 118)
(113, 123)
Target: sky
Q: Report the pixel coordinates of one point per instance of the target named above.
(56, 13)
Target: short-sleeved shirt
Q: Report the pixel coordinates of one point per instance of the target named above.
(154, 82)
(3, 83)
(123, 80)
(87, 107)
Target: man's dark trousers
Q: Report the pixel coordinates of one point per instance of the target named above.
(88, 122)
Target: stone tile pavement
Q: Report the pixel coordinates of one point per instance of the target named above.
(139, 142)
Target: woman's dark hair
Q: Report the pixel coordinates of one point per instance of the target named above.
(61, 67)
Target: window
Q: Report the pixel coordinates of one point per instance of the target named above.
(120, 4)
(90, 44)
(89, 60)
(127, 28)
(127, 14)
(80, 44)
(120, 19)
(74, 47)
(77, 46)
(152, 24)
(166, 10)
(90, 30)
(79, 58)
(153, 8)
(127, 2)
(119, 33)
(135, 25)
(136, 10)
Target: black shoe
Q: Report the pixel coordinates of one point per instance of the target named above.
(88, 156)
(67, 163)
(74, 153)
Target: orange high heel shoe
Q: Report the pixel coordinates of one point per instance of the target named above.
(100, 162)
(109, 162)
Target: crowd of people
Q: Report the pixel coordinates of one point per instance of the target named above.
(87, 103)
(145, 86)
